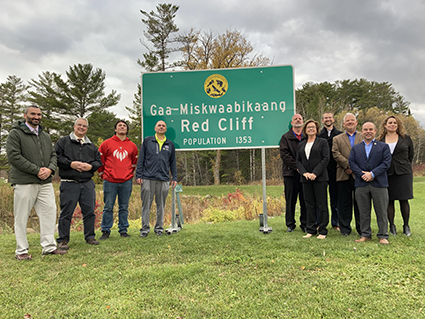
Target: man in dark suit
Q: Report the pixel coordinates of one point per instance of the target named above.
(328, 132)
(341, 148)
(291, 178)
(370, 161)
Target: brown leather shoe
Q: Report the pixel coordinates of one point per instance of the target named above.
(63, 245)
(383, 241)
(56, 252)
(362, 239)
(23, 257)
(92, 241)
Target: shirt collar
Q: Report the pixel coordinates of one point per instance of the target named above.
(35, 130)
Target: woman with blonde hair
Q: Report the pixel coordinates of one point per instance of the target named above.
(400, 173)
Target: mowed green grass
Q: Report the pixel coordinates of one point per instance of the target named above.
(227, 270)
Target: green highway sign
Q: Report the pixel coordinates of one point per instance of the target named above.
(220, 108)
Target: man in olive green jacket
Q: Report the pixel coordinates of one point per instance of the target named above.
(33, 162)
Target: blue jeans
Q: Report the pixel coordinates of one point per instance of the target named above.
(110, 192)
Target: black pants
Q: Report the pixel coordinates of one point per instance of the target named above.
(333, 196)
(315, 193)
(293, 190)
(346, 202)
(71, 194)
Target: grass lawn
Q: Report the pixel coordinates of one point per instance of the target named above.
(227, 270)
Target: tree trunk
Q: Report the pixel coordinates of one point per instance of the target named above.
(216, 167)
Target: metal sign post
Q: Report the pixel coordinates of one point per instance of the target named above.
(176, 219)
(264, 227)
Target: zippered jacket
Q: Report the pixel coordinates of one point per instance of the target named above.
(69, 149)
(156, 164)
(119, 159)
(27, 153)
(288, 153)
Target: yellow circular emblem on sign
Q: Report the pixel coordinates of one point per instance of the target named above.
(216, 86)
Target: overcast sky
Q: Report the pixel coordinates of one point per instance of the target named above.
(325, 40)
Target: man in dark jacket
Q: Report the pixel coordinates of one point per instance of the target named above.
(291, 178)
(33, 163)
(328, 132)
(157, 158)
(370, 161)
(78, 159)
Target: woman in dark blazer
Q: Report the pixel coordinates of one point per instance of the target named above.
(400, 174)
(312, 160)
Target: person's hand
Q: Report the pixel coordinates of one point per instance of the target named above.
(85, 167)
(367, 176)
(44, 173)
(139, 181)
(173, 184)
(77, 165)
(348, 171)
(312, 176)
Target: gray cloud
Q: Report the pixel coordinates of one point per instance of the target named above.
(324, 40)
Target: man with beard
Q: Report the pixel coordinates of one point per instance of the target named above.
(328, 132)
(291, 178)
(33, 163)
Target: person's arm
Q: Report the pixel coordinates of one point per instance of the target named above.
(173, 168)
(140, 163)
(324, 160)
(102, 150)
(14, 155)
(338, 156)
(410, 151)
(352, 160)
(385, 163)
(285, 154)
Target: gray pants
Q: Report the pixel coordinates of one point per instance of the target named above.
(149, 190)
(364, 196)
(42, 198)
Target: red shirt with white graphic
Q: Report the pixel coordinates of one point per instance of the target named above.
(119, 159)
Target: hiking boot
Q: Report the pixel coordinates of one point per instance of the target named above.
(104, 236)
(63, 245)
(92, 241)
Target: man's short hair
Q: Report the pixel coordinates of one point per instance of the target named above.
(33, 105)
(81, 118)
(349, 114)
(327, 113)
(121, 121)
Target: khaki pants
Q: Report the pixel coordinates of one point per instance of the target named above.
(42, 198)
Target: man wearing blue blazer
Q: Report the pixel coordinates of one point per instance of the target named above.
(370, 161)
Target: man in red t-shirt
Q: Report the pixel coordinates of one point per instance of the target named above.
(119, 160)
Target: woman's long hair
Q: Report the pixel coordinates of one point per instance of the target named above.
(400, 127)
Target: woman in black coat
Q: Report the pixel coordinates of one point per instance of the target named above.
(400, 173)
(312, 160)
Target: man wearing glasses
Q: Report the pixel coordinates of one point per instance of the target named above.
(78, 159)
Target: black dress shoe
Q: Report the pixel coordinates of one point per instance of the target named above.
(393, 230)
(290, 229)
(124, 235)
(406, 230)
